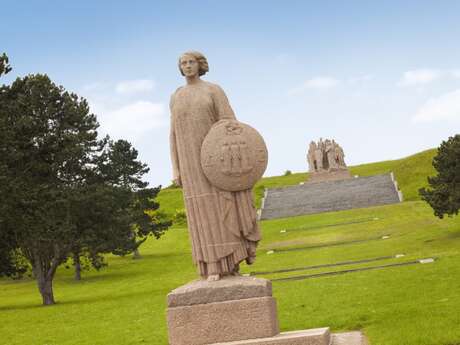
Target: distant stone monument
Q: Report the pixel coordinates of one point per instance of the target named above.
(326, 161)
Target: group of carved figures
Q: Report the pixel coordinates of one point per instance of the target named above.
(325, 155)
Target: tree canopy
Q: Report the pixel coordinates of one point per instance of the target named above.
(443, 193)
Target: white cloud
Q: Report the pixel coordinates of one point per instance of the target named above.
(316, 83)
(121, 112)
(419, 77)
(445, 107)
(131, 121)
(134, 86)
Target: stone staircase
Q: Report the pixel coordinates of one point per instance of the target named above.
(330, 196)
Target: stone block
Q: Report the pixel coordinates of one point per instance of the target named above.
(225, 321)
(227, 289)
(333, 175)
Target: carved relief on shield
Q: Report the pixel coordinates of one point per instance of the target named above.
(233, 156)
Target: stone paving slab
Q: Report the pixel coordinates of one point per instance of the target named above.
(318, 336)
(349, 338)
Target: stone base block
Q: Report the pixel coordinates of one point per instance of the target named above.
(225, 321)
(226, 289)
(318, 336)
(333, 175)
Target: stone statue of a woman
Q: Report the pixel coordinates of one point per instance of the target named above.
(222, 225)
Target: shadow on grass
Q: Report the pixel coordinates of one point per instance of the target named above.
(98, 276)
(454, 235)
(285, 246)
(152, 256)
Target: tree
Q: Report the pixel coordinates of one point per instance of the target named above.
(47, 138)
(4, 66)
(130, 207)
(444, 192)
(121, 169)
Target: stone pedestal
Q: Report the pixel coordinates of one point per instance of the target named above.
(331, 175)
(231, 311)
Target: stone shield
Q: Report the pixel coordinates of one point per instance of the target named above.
(233, 156)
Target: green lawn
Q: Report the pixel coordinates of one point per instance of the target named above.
(405, 305)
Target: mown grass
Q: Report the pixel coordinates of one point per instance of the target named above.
(409, 305)
(125, 303)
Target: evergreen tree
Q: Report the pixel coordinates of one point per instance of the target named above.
(130, 207)
(443, 193)
(47, 137)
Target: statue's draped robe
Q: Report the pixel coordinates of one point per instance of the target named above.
(222, 225)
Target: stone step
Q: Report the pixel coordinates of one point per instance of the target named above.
(317, 336)
(349, 338)
(330, 196)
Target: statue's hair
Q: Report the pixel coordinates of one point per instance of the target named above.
(202, 62)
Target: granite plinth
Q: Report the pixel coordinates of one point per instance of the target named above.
(223, 321)
(231, 309)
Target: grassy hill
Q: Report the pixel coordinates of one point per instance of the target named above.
(402, 303)
(410, 172)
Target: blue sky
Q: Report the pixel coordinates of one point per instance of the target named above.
(382, 78)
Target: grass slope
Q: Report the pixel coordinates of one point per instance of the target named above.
(410, 172)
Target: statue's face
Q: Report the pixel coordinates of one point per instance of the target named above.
(189, 66)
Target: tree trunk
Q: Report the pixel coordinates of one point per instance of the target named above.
(45, 286)
(136, 254)
(77, 263)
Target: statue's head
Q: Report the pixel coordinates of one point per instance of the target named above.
(200, 59)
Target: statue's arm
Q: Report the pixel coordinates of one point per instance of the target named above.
(173, 149)
(223, 109)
